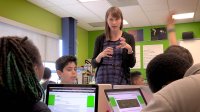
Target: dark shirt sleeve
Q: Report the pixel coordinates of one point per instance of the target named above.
(97, 50)
(40, 107)
(130, 58)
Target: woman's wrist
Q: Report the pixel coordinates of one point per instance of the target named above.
(130, 52)
(98, 58)
(129, 48)
(170, 30)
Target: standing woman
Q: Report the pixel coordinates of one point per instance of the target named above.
(114, 51)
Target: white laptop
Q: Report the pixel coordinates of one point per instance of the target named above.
(126, 100)
(72, 98)
(103, 104)
(146, 91)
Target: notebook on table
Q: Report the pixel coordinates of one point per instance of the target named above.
(72, 98)
(126, 100)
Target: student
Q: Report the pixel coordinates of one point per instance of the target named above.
(136, 78)
(179, 96)
(170, 67)
(171, 29)
(20, 69)
(46, 78)
(174, 47)
(114, 51)
(164, 69)
(195, 69)
(66, 69)
(182, 52)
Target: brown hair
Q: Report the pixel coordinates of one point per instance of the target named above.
(115, 12)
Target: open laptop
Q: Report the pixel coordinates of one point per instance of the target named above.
(72, 98)
(126, 100)
(146, 91)
(103, 104)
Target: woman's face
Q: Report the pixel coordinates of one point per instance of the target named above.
(114, 23)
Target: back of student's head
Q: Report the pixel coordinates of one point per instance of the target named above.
(47, 73)
(18, 78)
(63, 61)
(35, 57)
(181, 51)
(165, 68)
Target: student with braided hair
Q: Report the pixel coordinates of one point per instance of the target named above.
(20, 71)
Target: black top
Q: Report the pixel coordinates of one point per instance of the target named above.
(40, 107)
(10, 102)
(128, 60)
(44, 85)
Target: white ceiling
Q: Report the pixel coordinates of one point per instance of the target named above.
(143, 13)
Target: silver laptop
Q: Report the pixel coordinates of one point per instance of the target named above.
(126, 100)
(72, 98)
(146, 91)
(103, 104)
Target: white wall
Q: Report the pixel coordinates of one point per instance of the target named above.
(193, 46)
(48, 46)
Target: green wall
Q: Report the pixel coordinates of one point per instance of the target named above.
(195, 27)
(27, 13)
(82, 45)
(91, 41)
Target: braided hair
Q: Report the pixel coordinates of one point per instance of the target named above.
(17, 75)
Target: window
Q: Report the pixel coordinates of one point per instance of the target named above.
(52, 66)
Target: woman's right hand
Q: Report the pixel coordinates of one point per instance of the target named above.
(108, 52)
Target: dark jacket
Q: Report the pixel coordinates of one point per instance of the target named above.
(11, 102)
(128, 60)
(44, 85)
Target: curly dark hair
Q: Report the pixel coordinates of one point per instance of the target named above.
(181, 51)
(165, 68)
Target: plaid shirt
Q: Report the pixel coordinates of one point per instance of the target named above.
(127, 61)
(111, 71)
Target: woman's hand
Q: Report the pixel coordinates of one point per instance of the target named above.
(123, 44)
(108, 52)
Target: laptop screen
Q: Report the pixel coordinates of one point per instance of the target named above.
(146, 91)
(126, 100)
(72, 98)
